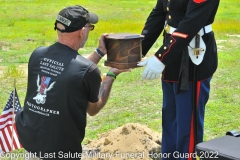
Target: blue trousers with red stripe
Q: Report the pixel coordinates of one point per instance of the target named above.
(177, 118)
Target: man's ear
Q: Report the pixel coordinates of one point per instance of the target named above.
(81, 32)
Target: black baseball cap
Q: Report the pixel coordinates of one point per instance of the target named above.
(74, 18)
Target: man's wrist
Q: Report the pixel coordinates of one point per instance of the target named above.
(99, 53)
(111, 74)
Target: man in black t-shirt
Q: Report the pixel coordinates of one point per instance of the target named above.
(62, 87)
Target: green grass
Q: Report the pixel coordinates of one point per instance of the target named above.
(27, 24)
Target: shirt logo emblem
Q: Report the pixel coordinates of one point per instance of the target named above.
(43, 89)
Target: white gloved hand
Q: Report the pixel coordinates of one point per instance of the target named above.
(154, 68)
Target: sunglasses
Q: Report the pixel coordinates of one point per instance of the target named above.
(91, 27)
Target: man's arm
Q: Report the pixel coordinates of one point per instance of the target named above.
(94, 57)
(104, 92)
(153, 27)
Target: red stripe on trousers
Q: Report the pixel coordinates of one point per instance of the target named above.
(191, 143)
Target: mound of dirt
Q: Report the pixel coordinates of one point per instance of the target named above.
(131, 141)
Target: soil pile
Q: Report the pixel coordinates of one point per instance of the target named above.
(131, 141)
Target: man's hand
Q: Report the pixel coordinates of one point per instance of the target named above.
(154, 68)
(101, 50)
(101, 43)
(118, 71)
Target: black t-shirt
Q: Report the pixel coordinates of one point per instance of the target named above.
(60, 84)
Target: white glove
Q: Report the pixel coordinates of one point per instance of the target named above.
(154, 68)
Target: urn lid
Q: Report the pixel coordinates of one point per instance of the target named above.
(124, 36)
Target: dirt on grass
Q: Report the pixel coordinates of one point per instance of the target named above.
(131, 141)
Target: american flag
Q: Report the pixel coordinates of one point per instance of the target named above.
(8, 136)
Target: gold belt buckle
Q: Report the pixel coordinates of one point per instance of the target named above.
(167, 29)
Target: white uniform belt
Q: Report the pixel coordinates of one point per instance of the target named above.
(203, 31)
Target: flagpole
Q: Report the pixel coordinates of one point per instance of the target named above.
(13, 120)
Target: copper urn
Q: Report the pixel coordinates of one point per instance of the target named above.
(123, 50)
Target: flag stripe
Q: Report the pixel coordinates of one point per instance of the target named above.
(7, 123)
(43, 86)
(5, 118)
(15, 136)
(6, 113)
(8, 137)
(5, 142)
(1, 145)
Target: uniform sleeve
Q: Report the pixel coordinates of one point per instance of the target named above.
(92, 81)
(199, 13)
(153, 27)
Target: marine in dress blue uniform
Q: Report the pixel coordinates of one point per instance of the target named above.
(180, 21)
